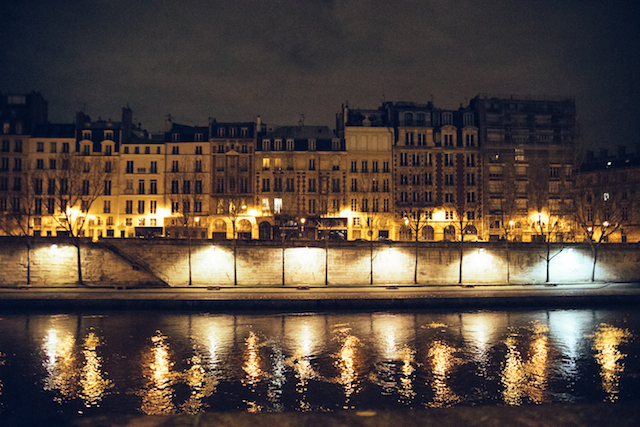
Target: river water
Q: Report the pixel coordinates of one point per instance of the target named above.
(62, 365)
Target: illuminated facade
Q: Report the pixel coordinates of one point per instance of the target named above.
(527, 147)
(368, 139)
(299, 181)
(436, 170)
(232, 178)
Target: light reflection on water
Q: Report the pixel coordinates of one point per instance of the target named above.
(188, 363)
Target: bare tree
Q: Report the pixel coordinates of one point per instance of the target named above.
(597, 214)
(186, 202)
(75, 185)
(508, 212)
(24, 203)
(463, 221)
(416, 219)
(548, 199)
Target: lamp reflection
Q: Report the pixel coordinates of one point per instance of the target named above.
(61, 363)
(394, 373)
(93, 383)
(346, 362)
(252, 368)
(302, 355)
(526, 376)
(157, 397)
(442, 361)
(606, 342)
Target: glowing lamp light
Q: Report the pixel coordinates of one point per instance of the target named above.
(303, 220)
(511, 223)
(252, 212)
(197, 219)
(54, 246)
(570, 249)
(606, 223)
(481, 249)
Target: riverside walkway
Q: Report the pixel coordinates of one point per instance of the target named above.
(322, 298)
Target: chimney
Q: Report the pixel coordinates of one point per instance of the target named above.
(127, 125)
(168, 124)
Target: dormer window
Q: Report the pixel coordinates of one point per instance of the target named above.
(244, 132)
(447, 119)
(468, 119)
(175, 137)
(232, 132)
(86, 150)
(108, 134)
(290, 145)
(277, 145)
(220, 132)
(266, 145)
(86, 134)
(312, 145)
(198, 137)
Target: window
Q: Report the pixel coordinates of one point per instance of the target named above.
(266, 145)
(86, 134)
(448, 179)
(37, 186)
(471, 179)
(126, 150)
(554, 172)
(471, 197)
(374, 166)
(403, 159)
(277, 145)
(153, 168)
(17, 165)
(408, 119)
(312, 164)
(470, 140)
(174, 187)
(17, 184)
(128, 222)
(354, 207)
(129, 166)
(266, 164)
(354, 184)
(354, 166)
(385, 205)
(408, 138)
(153, 207)
(290, 145)
(220, 185)
(5, 164)
(51, 187)
(385, 167)
(141, 186)
(40, 147)
(186, 187)
(467, 119)
(221, 132)
(86, 150)
(175, 166)
(365, 166)
(128, 209)
(448, 198)
(140, 206)
(198, 166)
(198, 187)
(312, 185)
(266, 185)
(448, 140)
(107, 206)
(312, 146)
(175, 137)
(4, 183)
(65, 147)
(385, 185)
(312, 206)
(199, 147)
(107, 188)
(147, 150)
(447, 119)
(290, 184)
(335, 145)
(136, 150)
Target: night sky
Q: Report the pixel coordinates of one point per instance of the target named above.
(235, 59)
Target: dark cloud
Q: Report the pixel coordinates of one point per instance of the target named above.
(234, 60)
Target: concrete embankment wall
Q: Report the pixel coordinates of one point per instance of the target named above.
(132, 262)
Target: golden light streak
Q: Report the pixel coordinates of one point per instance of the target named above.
(61, 363)
(606, 342)
(252, 368)
(93, 383)
(442, 361)
(157, 397)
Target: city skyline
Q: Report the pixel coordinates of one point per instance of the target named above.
(236, 61)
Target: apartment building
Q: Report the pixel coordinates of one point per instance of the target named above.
(187, 181)
(436, 172)
(368, 139)
(300, 180)
(528, 152)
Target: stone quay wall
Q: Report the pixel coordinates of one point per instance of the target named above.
(165, 262)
